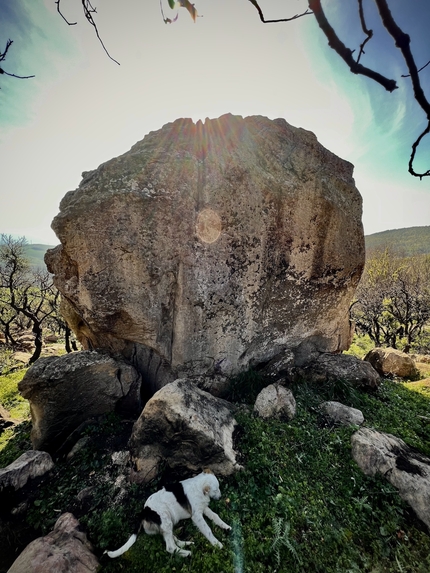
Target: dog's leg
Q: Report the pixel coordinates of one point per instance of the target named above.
(204, 528)
(215, 518)
(171, 546)
(180, 543)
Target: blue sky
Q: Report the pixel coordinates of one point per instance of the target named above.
(82, 109)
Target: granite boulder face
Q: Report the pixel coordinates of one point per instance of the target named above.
(210, 247)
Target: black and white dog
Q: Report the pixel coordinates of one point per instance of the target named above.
(186, 499)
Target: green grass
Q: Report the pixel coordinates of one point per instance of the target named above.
(300, 504)
(10, 398)
(16, 439)
(360, 345)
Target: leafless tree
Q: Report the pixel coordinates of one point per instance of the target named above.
(393, 299)
(23, 292)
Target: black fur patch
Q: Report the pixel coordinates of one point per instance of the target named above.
(151, 516)
(178, 491)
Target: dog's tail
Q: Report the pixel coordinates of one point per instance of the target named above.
(124, 548)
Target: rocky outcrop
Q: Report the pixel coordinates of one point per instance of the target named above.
(275, 401)
(64, 391)
(333, 367)
(210, 247)
(341, 414)
(28, 466)
(407, 470)
(66, 549)
(183, 427)
(391, 362)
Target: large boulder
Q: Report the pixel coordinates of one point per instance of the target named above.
(392, 362)
(212, 246)
(186, 428)
(65, 391)
(66, 549)
(406, 469)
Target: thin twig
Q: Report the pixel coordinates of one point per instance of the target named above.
(369, 33)
(414, 150)
(263, 19)
(57, 2)
(409, 75)
(89, 10)
(3, 57)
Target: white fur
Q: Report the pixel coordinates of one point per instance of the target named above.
(199, 491)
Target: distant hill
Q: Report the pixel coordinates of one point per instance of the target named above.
(35, 254)
(406, 242)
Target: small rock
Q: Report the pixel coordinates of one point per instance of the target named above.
(28, 466)
(341, 414)
(275, 401)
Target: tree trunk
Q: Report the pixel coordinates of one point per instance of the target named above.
(67, 339)
(37, 329)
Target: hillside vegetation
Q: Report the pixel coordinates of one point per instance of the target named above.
(300, 504)
(35, 254)
(404, 242)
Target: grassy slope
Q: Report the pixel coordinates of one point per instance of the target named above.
(409, 241)
(35, 254)
(301, 504)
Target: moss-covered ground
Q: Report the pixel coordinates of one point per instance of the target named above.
(300, 504)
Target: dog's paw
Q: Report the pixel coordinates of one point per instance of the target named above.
(226, 527)
(218, 544)
(183, 552)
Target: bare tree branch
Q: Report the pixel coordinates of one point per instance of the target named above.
(262, 18)
(345, 53)
(403, 42)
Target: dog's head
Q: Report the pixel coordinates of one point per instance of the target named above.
(211, 486)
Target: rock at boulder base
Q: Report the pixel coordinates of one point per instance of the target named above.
(64, 391)
(66, 549)
(332, 367)
(186, 428)
(212, 247)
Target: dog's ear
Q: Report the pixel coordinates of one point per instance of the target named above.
(207, 489)
(208, 471)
